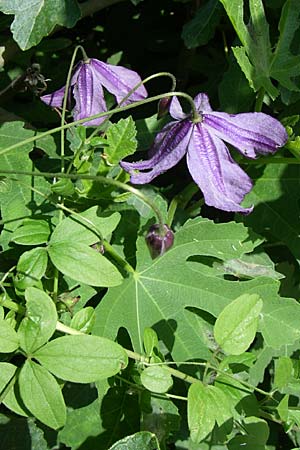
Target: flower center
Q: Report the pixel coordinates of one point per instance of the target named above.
(197, 118)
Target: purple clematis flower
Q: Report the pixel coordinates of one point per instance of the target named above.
(223, 183)
(87, 84)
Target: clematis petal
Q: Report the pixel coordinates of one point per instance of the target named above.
(118, 81)
(88, 94)
(168, 149)
(222, 182)
(250, 133)
(55, 99)
(176, 110)
(202, 103)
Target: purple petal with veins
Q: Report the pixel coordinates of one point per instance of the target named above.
(168, 150)
(223, 183)
(88, 95)
(119, 81)
(250, 133)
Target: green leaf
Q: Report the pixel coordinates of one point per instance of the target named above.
(255, 58)
(285, 65)
(157, 379)
(143, 440)
(83, 264)
(42, 395)
(202, 27)
(31, 267)
(283, 372)
(7, 372)
(236, 326)
(121, 140)
(280, 322)
(150, 341)
(9, 341)
(18, 201)
(87, 415)
(179, 284)
(239, 99)
(63, 187)
(143, 208)
(34, 21)
(84, 320)
(255, 437)
(82, 359)
(201, 418)
(283, 408)
(86, 227)
(31, 232)
(275, 197)
(39, 324)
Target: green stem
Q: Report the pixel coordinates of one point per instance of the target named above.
(151, 77)
(122, 262)
(96, 116)
(270, 160)
(12, 305)
(100, 178)
(64, 107)
(181, 200)
(259, 100)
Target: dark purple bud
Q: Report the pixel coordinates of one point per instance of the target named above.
(163, 107)
(159, 243)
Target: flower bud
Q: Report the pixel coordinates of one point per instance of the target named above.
(159, 243)
(163, 107)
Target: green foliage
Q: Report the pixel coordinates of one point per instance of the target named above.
(156, 379)
(236, 325)
(31, 267)
(82, 359)
(42, 395)
(40, 322)
(255, 56)
(121, 140)
(68, 257)
(31, 232)
(34, 22)
(101, 346)
(144, 440)
(202, 27)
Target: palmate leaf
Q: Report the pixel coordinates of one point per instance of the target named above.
(159, 294)
(35, 19)
(255, 56)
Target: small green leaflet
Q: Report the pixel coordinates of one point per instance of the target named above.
(84, 264)
(39, 324)
(42, 395)
(121, 140)
(144, 440)
(157, 379)
(206, 405)
(82, 359)
(236, 326)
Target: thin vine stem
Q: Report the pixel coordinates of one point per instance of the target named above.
(144, 81)
(118, 259)
(102, 179)
(96, 116)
